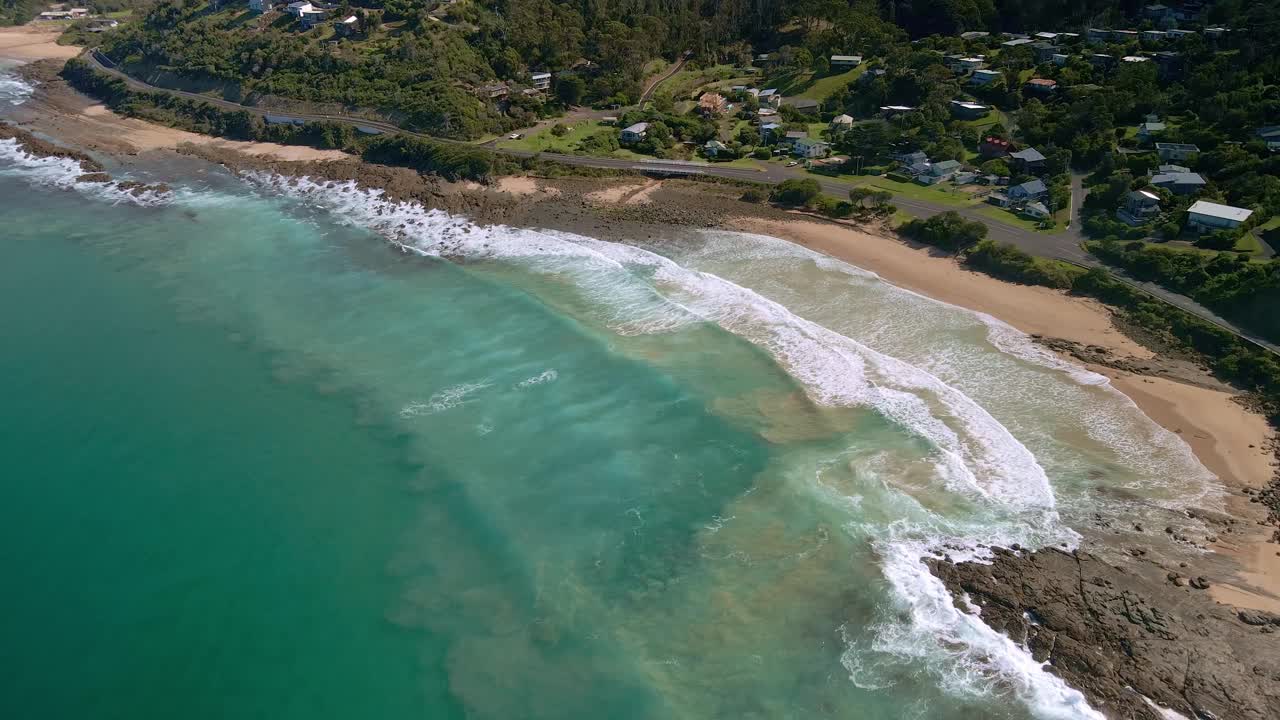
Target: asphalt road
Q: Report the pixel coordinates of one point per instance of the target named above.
(1065, 245)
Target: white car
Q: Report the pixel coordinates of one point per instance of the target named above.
(515, 136)
(793, 163)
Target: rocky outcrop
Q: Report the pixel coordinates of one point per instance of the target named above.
(1122, 634)
(43, 148)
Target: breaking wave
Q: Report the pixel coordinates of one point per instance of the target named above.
(974, 454)
(64, 173)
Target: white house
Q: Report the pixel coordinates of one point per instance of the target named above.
(541, 80)
(846, 61)
(840, 123)
(297, 9)
(1036, 210)
(1204, 216)
(810, 148)
(635, 133)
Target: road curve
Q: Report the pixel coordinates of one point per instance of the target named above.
(1064, 246)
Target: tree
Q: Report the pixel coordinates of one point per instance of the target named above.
(796, 192)
(996, 167)
(947, 230)
(570, 88)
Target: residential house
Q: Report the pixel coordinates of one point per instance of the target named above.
(540, 80)
(994, 147)
(770, 97)
(345, 27)
(1030, 161)
(1215, 32)
(810, 148)
(1170, 63)
(938, 172)
(1098, 35)
(712, 104)
(766, 112)
(1178, 182)
(964, 178)
(808, 106)
(768, 130)
(1061, 59)
(969, 64)
(1044, 51)
(713, 148)
(1149, 129)
(313, 17)
(763, 60)
(496, 91)
(1135, 59)
(999, 199)
(1157, 12)
(1101, 60)
(1154, 35)
(889, 111)
(635, 133)
(297, 8)
(1271, 136)
(1042, 86)
(984, 77)
(791, 137)
(845, 62)
(911, 158)
(1140, 208)
(968, 110)
(1175, 151)
(1171, 168)
(1049, 36)
(1176, 35)
(974, 35)
(1124, 35)
(841, 123)
(1204, 216)
(1016, 42)
(1037, 210)
(1029, 191)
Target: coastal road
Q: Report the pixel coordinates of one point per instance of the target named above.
(1064, 245)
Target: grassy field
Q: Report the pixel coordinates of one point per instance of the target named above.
(943, 193)
(542, 139)
(1008, 218)
(822, 87)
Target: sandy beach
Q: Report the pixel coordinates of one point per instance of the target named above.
(1231, 441)
(34, 42)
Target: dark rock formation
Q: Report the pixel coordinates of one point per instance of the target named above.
(43, 148)
(1120, 634)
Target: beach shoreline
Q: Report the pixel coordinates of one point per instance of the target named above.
(1232, 441)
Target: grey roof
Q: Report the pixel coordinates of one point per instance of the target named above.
(1174, 169)
(796, 134)
(637, 128)
(1186, 147)
(946, 165)
(1177, 178)
(1029, 155)
(1031, 187)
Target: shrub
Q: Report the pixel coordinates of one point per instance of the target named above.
(947, 230)
(762, 153)
(754, 195)
(796, 192)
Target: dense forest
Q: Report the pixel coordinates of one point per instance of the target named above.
(17, 12)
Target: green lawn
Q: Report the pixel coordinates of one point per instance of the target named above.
(822, 87)
(1008, 218)
(542, 139)
(943, 193)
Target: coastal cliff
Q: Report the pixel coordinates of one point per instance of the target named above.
(1126, 635)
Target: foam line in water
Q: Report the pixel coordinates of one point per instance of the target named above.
(62, 173)
(975, 453)
(13, 90)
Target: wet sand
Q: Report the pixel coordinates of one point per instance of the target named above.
(34, 42)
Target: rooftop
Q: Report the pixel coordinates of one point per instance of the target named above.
(1226, 212)
(1028, 155)
(1184, 147)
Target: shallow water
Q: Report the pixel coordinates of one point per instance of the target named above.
(264, 463)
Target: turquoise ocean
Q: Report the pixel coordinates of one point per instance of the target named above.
(287, 450)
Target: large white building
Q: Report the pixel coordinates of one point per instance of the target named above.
(1204, 216)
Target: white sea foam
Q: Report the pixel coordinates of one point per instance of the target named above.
(446, 399)
(975, 454)
(13, 90)
(62, 173)
(541, 378)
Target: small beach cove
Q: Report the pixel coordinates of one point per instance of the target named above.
(1229, 440)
